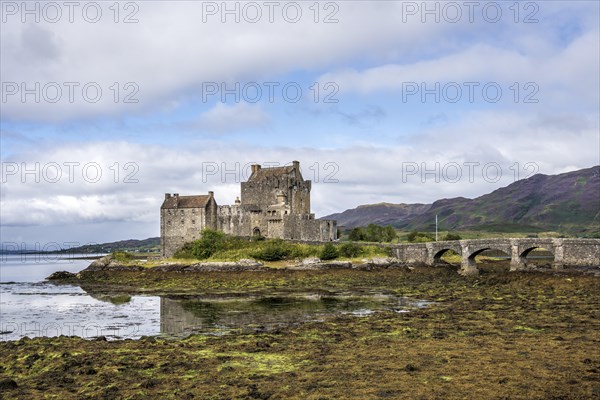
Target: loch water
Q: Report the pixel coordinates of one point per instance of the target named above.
(33, 307)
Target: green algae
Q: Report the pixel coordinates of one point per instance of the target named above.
(498, 336)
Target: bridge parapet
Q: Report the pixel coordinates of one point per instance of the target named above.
(411, 253)
(572, 252)
(580, 252)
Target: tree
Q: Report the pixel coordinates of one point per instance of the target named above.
(416, 237)
(357, 234)
(389, 234)
(452, 236)
(373, 233)
(209, 243)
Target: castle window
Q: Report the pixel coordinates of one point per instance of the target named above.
(182, 222)
(194, 222)
(168, 223)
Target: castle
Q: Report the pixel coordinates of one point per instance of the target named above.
(274, 203)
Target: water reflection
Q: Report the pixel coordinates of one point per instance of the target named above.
(44, 309)
(183, 316)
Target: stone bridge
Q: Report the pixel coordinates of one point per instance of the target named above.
(566, 252)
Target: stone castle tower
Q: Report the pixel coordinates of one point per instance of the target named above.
(275, 203)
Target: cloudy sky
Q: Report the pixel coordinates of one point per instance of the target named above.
(106, 106)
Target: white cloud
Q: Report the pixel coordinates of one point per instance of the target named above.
(364, 173)
(563, 74)
(170, 52)
(369, 53)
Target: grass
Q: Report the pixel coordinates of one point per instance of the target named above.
(273, 253)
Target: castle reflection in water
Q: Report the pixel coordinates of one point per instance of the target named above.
(186, 315)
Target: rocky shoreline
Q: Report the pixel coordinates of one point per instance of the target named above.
(108, 264)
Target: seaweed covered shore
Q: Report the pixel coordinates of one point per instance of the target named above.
(502, 335)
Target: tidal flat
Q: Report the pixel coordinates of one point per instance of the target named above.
(501, 335)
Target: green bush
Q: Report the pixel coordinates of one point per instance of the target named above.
(350, 250)
(185, 251)
(273, 250)
(303, 250)
(418, 237)
(329, 252)
(122, 256)
(358, 234)
(209, 243)
(452, 236)
(373, 233)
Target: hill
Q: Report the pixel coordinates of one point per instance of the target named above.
(133, 245)
(380, 214)
(568, 202)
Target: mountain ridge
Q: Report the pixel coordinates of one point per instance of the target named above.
(568, 202)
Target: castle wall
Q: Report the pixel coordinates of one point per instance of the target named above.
(300, 198)
(212, 211)
(274, 203)
(275, 228)
(258, 221)
(305, 227)
(232, 220)
(261, 191)
(178, 226)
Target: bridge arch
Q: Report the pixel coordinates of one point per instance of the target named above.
(524, 253)
(437, 257)
(474, 248)
(436, 250)
(505, 252)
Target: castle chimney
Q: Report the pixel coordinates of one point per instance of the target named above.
(255, 168)
(296, 165)
(281, 197)
(211, 193)
(176, 195)
(237, 201)
(167, 195)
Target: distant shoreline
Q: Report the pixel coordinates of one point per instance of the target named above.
(79, 257)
